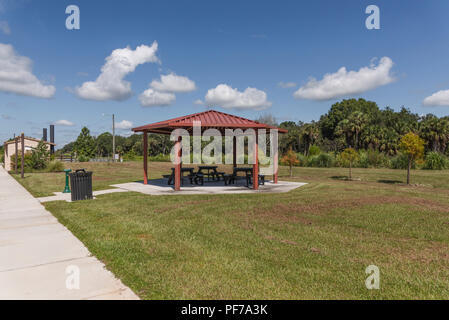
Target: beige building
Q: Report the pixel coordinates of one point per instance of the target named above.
(10, 149)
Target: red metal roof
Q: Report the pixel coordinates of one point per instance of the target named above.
(208, 119)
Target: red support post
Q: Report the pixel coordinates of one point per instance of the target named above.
(234, 150)
(178, 165)
(145, 157)
(256, 164)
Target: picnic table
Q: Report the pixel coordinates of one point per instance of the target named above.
(248, 171)
(171, 178)
(211, 172)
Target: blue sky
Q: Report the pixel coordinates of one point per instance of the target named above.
(236, 44)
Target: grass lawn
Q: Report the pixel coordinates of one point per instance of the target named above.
(311, 243)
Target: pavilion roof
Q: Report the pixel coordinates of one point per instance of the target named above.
(208, 119)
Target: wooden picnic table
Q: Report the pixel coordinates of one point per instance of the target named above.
(211, 171)
(172, 176)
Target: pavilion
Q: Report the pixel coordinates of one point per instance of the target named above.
(209, 119)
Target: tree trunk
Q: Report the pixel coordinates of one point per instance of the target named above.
(350, 170)
(408, 170)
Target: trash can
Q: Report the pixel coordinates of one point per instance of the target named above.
(81, 184)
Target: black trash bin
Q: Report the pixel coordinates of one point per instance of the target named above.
(81, 184)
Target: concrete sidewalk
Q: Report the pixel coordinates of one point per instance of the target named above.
(39, 256)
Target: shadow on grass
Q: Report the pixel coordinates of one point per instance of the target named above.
(345, 178)
(390, 181)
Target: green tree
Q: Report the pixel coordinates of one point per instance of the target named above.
(309, 133)
(349, 155)
(85, 144)
(290, 159)
(412, 146)
(103, 144)
(39, 157)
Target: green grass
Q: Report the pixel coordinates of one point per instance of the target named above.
(104, 174)
(311, 243)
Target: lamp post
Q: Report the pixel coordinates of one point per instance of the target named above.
(67, 188)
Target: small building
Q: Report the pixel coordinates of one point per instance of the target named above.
(29, 144)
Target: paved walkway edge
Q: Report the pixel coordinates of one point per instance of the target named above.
(42, 259)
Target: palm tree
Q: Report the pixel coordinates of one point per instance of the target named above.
(309, 134)
(435, 132)
(357, 121)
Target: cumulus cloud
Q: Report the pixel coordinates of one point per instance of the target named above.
(16, 75)
(110, 84)
(124, 125)
(228, 97)
(343, 82)
(286, 85)
(152, 98)
(440, 98)
(173, 83)
(65, 123)
(4, 27)
(198, 102)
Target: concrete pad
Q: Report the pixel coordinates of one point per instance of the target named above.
(160, 187)
(35, 250)
(59, 196)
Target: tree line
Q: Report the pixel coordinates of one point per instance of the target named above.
(362, 125)
(359, 124)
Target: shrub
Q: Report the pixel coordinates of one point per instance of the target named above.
(436, 161)
(314, 151)
(302, 160)
(363, 161)
(323, 160)
(372, 159)
(160, 158)
(400, 161)
(55, 166)
(83, 158)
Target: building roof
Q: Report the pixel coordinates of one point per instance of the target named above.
(29, 139)
(208, 119)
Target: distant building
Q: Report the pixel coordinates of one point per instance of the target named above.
(30, 144)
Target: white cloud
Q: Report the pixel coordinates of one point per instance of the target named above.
(173, 83)
(124, 125)
(16, 75)
(286, 85)
(4, 27)
(198, 102)
(228, 97)
(343, 82)
(440, 98)
(65, 123)
(151, 97)
(110, 84)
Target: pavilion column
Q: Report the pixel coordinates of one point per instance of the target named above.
(145, 157)
(256, 164)
(276, 166)
(178, 164)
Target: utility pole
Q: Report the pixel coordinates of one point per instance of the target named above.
(22, 138)
(113, 138)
